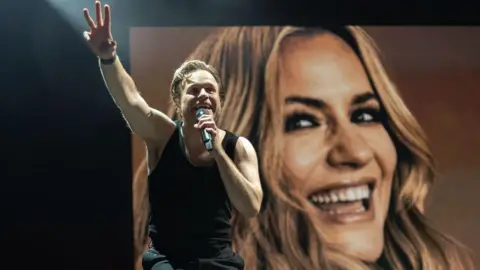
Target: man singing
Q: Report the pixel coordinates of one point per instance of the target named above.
(196, 170)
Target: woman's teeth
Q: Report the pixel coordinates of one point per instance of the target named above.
(350, 194)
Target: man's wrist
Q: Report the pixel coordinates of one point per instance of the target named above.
(217, 152)
(109, 61)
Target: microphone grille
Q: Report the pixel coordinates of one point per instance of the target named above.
(200, 112)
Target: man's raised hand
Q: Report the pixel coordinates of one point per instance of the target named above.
(99, 38)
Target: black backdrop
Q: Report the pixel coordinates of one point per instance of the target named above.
(65, 197)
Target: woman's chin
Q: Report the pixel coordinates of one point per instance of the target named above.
(366, 245)
(367, 252)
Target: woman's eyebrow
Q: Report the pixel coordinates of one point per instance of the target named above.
(320, 104)
(364, 97)
(309, 102)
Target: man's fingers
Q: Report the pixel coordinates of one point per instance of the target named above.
(206, 125)
(205, 116)
(107, 17)
(89, 20)
(206, 120)
(98, 11)
(212, 131)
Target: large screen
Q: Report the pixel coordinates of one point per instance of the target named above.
(286, 86)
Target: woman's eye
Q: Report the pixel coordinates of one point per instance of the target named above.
(366, 116)
(299, 121)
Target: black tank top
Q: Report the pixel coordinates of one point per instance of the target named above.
(189, 207)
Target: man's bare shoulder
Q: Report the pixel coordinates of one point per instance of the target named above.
(156, 145)
(164, 125)
(164, 128)
(244, 149)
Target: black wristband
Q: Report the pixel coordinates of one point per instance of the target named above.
(108, 61)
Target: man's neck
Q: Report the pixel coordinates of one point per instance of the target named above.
(191, 135)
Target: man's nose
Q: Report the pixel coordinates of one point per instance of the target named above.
(203, 93)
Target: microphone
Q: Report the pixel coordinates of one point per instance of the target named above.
(207, 137)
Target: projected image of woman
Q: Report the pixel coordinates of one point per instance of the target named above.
(345, 165)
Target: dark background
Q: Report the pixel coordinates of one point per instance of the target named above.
(65, 199)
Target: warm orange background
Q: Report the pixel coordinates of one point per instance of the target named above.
(437, 70)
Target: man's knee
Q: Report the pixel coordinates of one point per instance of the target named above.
(153, 260)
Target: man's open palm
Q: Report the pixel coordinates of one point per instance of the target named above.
(99, 38)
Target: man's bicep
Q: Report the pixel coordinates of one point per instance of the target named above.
(247, 161)
(145, 121)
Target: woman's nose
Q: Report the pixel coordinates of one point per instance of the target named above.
(349, 149)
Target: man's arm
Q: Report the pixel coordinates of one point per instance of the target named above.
(241, 177)
(143, 120)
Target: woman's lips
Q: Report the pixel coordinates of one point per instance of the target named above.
(346, 202)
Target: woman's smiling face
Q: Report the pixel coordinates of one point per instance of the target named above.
(336, 150)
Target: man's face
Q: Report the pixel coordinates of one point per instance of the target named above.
(201, 91)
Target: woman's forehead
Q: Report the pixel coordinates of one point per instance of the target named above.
(321, 66)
